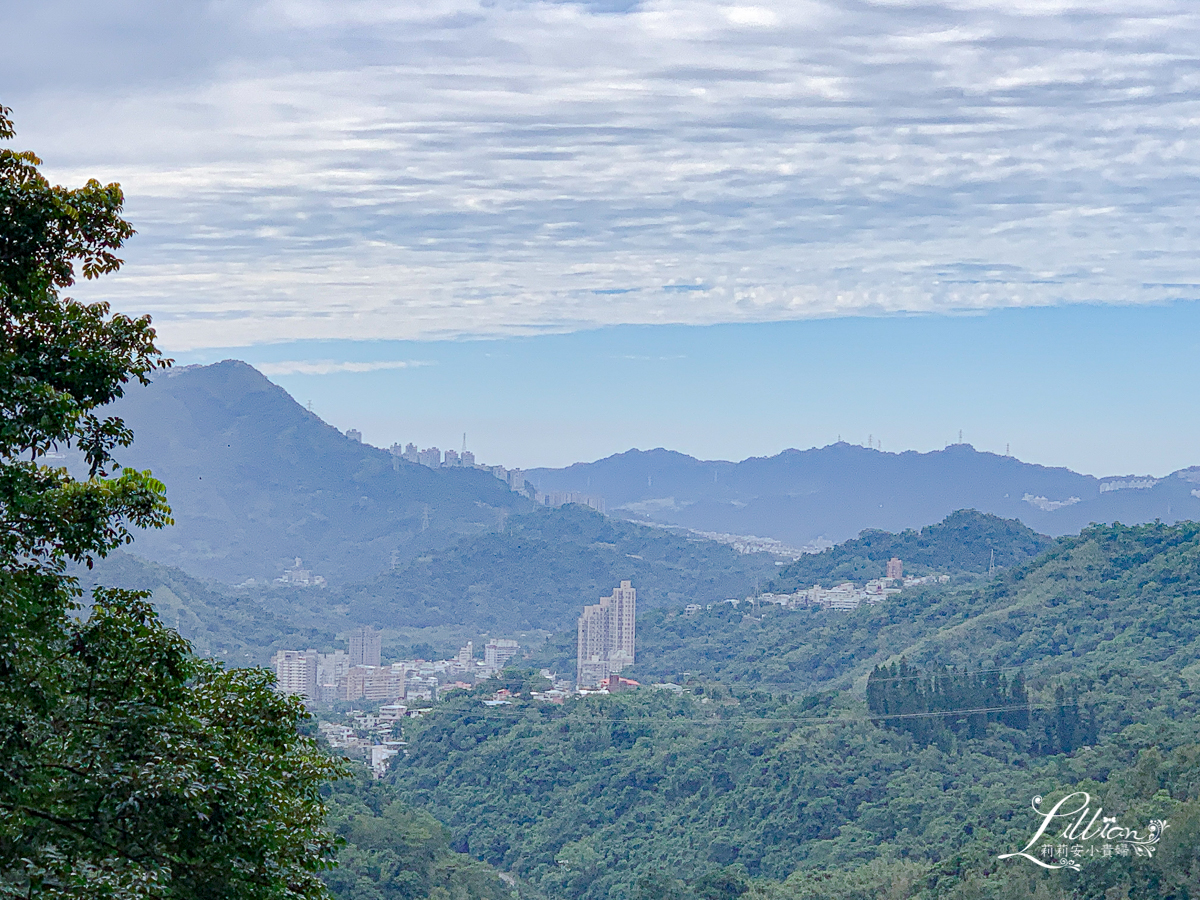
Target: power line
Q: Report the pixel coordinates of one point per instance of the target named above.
(495, 712)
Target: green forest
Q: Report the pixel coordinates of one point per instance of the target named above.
(966, 541)
(544, 566)
(1084, 659)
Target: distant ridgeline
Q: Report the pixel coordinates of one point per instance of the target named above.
(963, 543)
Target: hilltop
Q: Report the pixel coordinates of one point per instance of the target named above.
(965, 542)
(833, 493)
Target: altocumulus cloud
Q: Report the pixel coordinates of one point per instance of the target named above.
(309, 169)
(329, 366)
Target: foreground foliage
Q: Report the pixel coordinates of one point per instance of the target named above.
(128, 766)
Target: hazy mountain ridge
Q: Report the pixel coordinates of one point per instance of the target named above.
(835, 492)
(255, 480)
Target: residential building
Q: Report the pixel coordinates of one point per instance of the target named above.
(606, 636)
(451, 458)
(516, 479)
(431, 457)
(331, 672)
(466, 656)
(498, 651)
(895, 568)
(468, 459)
(296, 672)
(380, 755)
(354, 434)
(364, 647)
(375, 683)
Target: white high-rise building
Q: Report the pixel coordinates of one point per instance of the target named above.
(296, 672)
(607, 635)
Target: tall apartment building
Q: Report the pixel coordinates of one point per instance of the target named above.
(296, 672)
(498, 651)
(895, 568)
(606, 636)
(364, 647)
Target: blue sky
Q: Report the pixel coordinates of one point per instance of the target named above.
(812, 218)
(1105, 390)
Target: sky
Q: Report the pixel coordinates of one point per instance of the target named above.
(569, 228)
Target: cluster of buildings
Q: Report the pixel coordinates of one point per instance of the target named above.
(434, 458)
(371, 737)
(844, 596)
(748, 543)
(606, 635)
(358, 673)
(298, 576)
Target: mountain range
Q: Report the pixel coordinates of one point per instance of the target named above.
(255, 481)
(830, 494)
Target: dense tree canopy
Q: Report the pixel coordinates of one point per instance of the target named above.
(128, 766)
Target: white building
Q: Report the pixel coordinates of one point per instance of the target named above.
(606, 636)
(296, 672)
(497, 653)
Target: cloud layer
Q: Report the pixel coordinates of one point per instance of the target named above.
(308, 169)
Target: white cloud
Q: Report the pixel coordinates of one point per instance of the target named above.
(329, 366)
(378, 170)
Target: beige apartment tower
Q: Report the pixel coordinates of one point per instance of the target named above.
(606, 636)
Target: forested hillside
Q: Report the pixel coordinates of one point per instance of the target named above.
(638, 794)
(391, 851)
(966, 541)
(544, 567)
(255, 480)
(238, 629)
